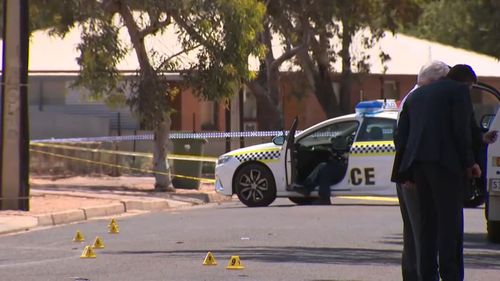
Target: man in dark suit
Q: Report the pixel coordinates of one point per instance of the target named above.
(434, 139)
(408, 196)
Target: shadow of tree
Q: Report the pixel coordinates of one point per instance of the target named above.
(319, 255)
(479, 252)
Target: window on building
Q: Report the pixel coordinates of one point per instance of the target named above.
(53, 92)
(209, 111)
(249, 106)
(391, 89)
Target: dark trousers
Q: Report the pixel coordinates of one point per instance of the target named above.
(410, 213)
(440, 193)
(324, 175)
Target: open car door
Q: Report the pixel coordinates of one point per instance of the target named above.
(485, 101)
(289, 152)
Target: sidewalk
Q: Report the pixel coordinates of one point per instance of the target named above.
(67, 200)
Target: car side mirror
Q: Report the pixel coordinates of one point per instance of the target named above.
(486, 120)
(279, 140)
(339, 143)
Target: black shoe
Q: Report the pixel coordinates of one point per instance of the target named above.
(300, 189)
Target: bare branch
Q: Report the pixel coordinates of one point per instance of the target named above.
(155, 26)
(293, 51)
(185, 51)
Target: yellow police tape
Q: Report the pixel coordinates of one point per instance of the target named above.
(128, 153)
(121, 166)
(371, 198)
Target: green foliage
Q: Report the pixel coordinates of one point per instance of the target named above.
(469, 24)
(226, 30)
(100, 52)
(221, 32)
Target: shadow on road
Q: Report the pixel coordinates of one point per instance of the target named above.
(291, 254)
(479, 253)
(348, 256)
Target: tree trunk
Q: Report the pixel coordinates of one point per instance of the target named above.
(346, 76)
(265, 87)
(160, 163)
(324, 91)
(323, 84)
(268, 114)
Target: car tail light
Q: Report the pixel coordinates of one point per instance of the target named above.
(496, 161)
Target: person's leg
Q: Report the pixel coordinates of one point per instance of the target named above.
(426, 234)
(325, 173)
(409, 256)
(447, 189)
(309, 183)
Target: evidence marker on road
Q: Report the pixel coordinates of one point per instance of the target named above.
(88, 253)
(209, 259)
(113, 227)
(235, 263)
(98, 243)
(78, 237)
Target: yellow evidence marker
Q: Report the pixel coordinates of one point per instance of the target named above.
(113, 228)
(235, 263)
(88, 253)
(98, 243)
(209, 259)
(113, 221)
(78, 237)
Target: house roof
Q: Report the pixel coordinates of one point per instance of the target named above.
(408, 54)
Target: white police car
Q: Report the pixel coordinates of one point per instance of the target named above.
(258, 174)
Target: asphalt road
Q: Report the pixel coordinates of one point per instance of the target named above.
(352, 240)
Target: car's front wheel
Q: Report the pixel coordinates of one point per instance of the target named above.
(255, 186)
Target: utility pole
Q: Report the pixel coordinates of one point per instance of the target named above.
(14, 133)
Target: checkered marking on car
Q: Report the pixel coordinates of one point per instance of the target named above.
(259, 155)
(372, 148)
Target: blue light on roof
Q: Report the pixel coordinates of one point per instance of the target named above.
(375, 106)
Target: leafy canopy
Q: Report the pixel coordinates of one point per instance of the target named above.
(220, 32)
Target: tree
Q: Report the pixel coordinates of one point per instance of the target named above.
(377, 17)
(220, 32)
(265, 86)
(469, 24)
(317, 33)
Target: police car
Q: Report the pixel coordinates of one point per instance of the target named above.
(491, 121)
(258, 174)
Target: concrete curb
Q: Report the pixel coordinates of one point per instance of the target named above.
(103, 211)
(87, 213)
(123, 205)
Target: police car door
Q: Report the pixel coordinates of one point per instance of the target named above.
(288, 151)
(371, 157)
(485, 101)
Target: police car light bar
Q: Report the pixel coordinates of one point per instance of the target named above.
(375, 106)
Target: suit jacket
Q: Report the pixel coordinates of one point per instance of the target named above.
(435, 126)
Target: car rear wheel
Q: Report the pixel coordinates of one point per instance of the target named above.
(302, 200)
(255, 185)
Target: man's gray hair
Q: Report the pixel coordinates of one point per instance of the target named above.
(431, 72)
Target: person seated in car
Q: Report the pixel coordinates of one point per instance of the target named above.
(324, 175)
